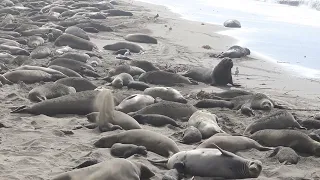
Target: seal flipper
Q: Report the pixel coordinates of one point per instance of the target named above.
(223, 152)
(41, 98)
(161, 163)
(275, 152)
(21, 109)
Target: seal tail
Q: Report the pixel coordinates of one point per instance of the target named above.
(21, 109)
(105, 104)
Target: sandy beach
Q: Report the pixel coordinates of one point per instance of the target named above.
(39, 147)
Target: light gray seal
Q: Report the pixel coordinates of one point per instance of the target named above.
(235, 52)
(42, 31)
(14, 50)
(127, 150)
(232, 23)
(281, 119)
(205, 122)
(145, 65)
(165, 93)
(76, 31)
(153, 141)
(163, 78)
(285, 155)
(117, 12)
(31, 76)
(68, 72)
(78, 56)
(121, 80)
(233, 143)
(155, 120)
(74, 42)
(98, 26)
(315, 135)
(297, 140)
(40, 52)
(71, 64)
(80, 84)
(310, 124)
(49, 91)
(132, 70)
(198, 162)
(134, 103)
(171, 109)
(117, 168)
(191, 135)
(141, 38)
(47, 70)
(135, 48)
(35, 41)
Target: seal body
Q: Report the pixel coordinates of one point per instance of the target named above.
(117, 12)
(153, 141)
(191, 135)
(205, 122)
(311, 124)
(294, 139)
(221, 74)
(138, 85)
(165, 93)
(14, 50)
(200, 74)
(71, 64)
(127, 150)
(74, 42)
(232, 23)
(155, 120)
(145, 65)
(121, 80)
(82, 57)
(35, 41)
(49, 91)
(79, 83)
(132, 70)
(135, 48)
(76, 31)
(40, 52)
(141, 38)
(134, 103)
(285, 155)
(235, 52)
(233, 143)
(163, 78)
(68, 72)
(44, 69)
(30, 76)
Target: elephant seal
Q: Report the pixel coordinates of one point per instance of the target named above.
(281, 119)
(163, 78)
(172, 174)
(80, 103)
(31, 76)
(145, 65)
(14, 50)
(98, 26)
(141, 38)
(134, 103)
(221, 74)
(191, 135)
(90, 29)
(233, 143)
(68, 72)
(285, 155)
(4, 80)
(76, 31)
(127, 150)
(82, 57)
(71, 64)
(117, 12)
(229, 94)
(198, 162)
(171, 109)
(132, 70)
(40, 52)
(165, 93)
(200, 74)
(155, 120)
(80, 84)
(153, 141)
(138, 85)
(317, 116)
(108, 118)
(310, 124)
(232, 23)
(121, 80)
(294, 139)
(74, 42)
(49, 91)
(35, 41)
(135, 48)
(47, 70)
(117, 168)
(315, 135)
(42, 31)
(205, 122)
(235, 52)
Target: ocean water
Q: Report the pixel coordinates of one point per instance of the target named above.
(286, 35)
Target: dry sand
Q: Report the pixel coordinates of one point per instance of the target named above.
(38, 147)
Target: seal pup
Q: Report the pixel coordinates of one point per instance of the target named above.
(163, 78)
(68, 72)
(138, 85)
(31, 76)
(76, 31)
(191, 135)
(315, 135)
(233, 143)
(232, 23)
(49, 91)
(134, 103)
(155, 120)
(285, 155)
(74, 42)
(145, 65)
(165, 93)
(79, 83)
(171, 109)
(310, 124)
(117, 168)
(40, 52)
(235, 52)
(78, 56)
(198, 162)
(281, 119)
(132, 70)
(127, 150)
(135, 48)
(35, 41)
(121, 80)
(297, 140)
(153, 141)
(205, 122)
(141, 38)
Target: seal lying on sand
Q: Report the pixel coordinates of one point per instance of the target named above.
(82, 57)
(40, 52)
(145, 65)
(127, 150)
(285, 155)
(232, 23)
(71, 64)
(135, 48)
(298, 141)
(235, 52)
(79, 83)
(138, 85)
(112, 169)
(49, 91)
(233, 143)
(165, 93)
(163, 78)
(132, 70)
(141, 38)
(76, 31)
(68, 72)
(226, 165)
(153, 141)
(121, 80)
(134, 103)
(281, 119)
(14, 50)
(155, 120)
(31, 76)
(74, 42)
(47, 70)
(171, 109)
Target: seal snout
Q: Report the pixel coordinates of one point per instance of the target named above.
(255, 168)
(267, 105)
